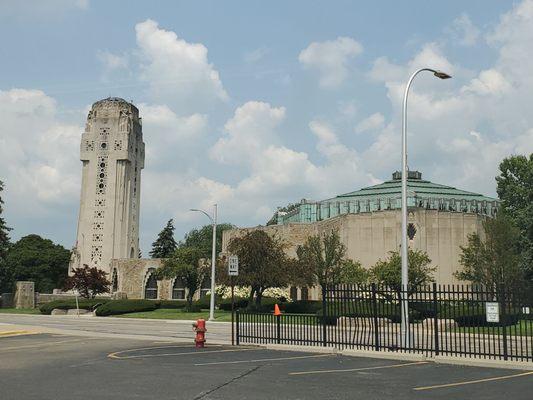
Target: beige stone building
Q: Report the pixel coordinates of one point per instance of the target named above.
(112, 155)
(440, 218)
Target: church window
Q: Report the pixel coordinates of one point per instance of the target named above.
(206, 287)
(98, 226)
(89, 145)
(411, 231)
(294, 293)
(97, 237)
(150, 291)
(103, 145)
(304, 293)
(118, 145)
(99, 214)
(114, 281)
(178, 289)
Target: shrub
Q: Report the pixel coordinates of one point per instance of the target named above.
(84, 304)
(267, 305)
(481, 320)
(303, 306)
(193, 308)
(171, 304)
(117, 307)
(240, 302)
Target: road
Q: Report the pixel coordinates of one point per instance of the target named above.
(126, 328)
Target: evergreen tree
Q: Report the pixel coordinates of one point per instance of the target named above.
(165, 245)
(4, 246)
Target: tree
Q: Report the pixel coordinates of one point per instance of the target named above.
(262, 263)
(202, 238)
(322, 259)
(165, 245)
(40, 260)
(187, 265)
(495, 260)
(288, 208)
(5, 279)
(515, 189)
(88, 281)
(389, 272)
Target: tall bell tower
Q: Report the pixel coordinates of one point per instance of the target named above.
(112, 155)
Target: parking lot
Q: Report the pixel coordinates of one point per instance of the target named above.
(51, 366)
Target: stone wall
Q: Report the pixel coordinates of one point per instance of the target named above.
(370, 236)
(24, 294)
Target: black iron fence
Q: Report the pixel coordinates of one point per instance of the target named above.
(443, 320)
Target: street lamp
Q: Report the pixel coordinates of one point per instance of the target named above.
(213, 220)
(404, 250)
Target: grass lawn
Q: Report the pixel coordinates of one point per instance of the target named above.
(164, 313)
(523, 328)
(19, 311)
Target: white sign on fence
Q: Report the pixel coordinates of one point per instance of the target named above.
(492, 310)
(233, 266)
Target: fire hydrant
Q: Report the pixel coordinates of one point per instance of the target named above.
(199, 328)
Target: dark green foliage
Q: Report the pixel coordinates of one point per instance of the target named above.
(469, 320)
(5, 276)
(302, 306)
(117, 307)
(202, 239)
(494, 261)
(165, 245)
(33, 258)
(171, 304)
(287, 208)
(240, 302)
(185, 264)
(515, 189)
(84, 304)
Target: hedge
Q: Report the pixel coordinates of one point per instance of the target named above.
(84, 304)
(481, 320)
(171, 304)
(240, 302)
(117, 307)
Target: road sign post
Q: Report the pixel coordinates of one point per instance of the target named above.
(233, 271)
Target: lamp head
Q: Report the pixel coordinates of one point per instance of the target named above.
(442, 75)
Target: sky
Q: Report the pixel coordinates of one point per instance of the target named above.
(253, 105)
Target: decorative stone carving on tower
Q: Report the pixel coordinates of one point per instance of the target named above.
(112, 155)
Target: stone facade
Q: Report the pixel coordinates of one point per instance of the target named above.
(112, 155)
(24, 294)
(370, 236)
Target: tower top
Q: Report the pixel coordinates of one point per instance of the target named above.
(113, 101)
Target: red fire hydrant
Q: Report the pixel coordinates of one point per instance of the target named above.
(199, 328)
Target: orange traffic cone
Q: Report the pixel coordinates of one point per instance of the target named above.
(276, 310)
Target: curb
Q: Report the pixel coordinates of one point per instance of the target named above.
(473, 362)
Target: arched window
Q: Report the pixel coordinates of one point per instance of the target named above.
(150, 290)
(114, 281)
(178, 290)
(294, 293)
(305, 293)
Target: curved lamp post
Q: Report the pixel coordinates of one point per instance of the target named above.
(405, 339)
(213, 220)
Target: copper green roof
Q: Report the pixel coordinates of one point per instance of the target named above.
(387, 196)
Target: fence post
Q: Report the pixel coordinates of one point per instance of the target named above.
(324, 317)
(237, 338)
(435, 319)
(278, 328)
(375, 317)
(503, 321)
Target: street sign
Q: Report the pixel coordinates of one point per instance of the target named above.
(233, 266)
(492, 310)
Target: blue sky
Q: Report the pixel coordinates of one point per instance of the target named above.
(257, 104)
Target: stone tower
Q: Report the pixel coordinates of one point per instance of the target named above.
(112, 155)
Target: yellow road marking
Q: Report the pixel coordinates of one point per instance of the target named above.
(114, 355)
(17, 333)
(263, 359)
(44, 344)
(330, 371)
(497, 378)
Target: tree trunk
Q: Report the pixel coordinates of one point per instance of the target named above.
(258, 297)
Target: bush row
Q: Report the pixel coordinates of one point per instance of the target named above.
(84, 304)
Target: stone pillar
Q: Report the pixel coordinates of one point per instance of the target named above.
(25, 294)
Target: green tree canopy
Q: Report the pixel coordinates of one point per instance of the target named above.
(188, 265)
(262, 263)
(515, 189)
(389, 272)
(202, 238)
(322, 261)
(5, 279)
(165, 245)
(494, 260)
(36, 259)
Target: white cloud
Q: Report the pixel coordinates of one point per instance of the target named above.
(111, 61)
(489, 82)
(463, 31)
(256, 55)
(252, 128)
(330, 58)
(178, 73)
(371, 123)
